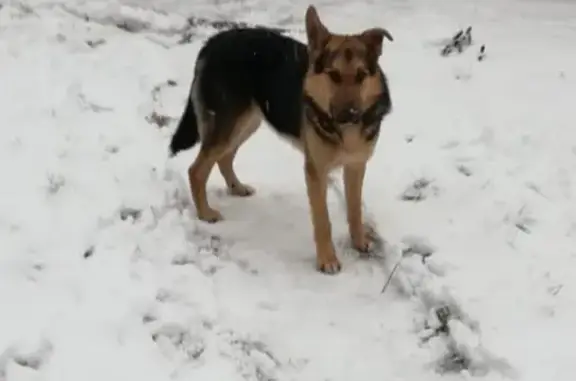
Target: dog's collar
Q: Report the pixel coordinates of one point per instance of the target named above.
(320, 119)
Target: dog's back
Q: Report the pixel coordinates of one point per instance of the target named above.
(256, 65)
(236, 70)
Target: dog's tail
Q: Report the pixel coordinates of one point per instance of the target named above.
(186, 135)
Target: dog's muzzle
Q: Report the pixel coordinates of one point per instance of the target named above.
(347, 115)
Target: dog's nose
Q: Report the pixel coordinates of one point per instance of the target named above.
(347, 114)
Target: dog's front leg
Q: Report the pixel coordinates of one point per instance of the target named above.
(317, 184)
(353, 181)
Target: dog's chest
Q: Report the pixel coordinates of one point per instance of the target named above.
(342, 156)
(353, 148)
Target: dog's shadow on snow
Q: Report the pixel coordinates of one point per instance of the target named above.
(272, 227)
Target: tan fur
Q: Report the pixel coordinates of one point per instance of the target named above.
(352, 152)
(223, 153)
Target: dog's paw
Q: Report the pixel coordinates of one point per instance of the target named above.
(210, 215)
(241, 190)
(365, 242)
(329, 265)
(364, 247)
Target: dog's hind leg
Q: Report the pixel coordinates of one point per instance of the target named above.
(198, 174)
(235, 186)
(223, 134)
(245, 127)
(217, 135)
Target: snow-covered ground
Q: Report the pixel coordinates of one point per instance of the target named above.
(105, 274)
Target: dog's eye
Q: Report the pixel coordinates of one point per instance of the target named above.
(335, 76)
(360, 75)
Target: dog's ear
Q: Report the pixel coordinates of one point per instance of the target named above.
(317, 33)
(374, 39)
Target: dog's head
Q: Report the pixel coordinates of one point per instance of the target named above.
(343, 77)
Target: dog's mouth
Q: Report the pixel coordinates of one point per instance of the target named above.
(347, 115)
(331, 118)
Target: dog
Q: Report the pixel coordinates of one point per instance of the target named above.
(328, 98)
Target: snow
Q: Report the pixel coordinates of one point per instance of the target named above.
(105, 273)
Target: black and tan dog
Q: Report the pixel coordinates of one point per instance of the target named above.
(328, 98)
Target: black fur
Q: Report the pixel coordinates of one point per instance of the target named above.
(244, 65)
(186, 135)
